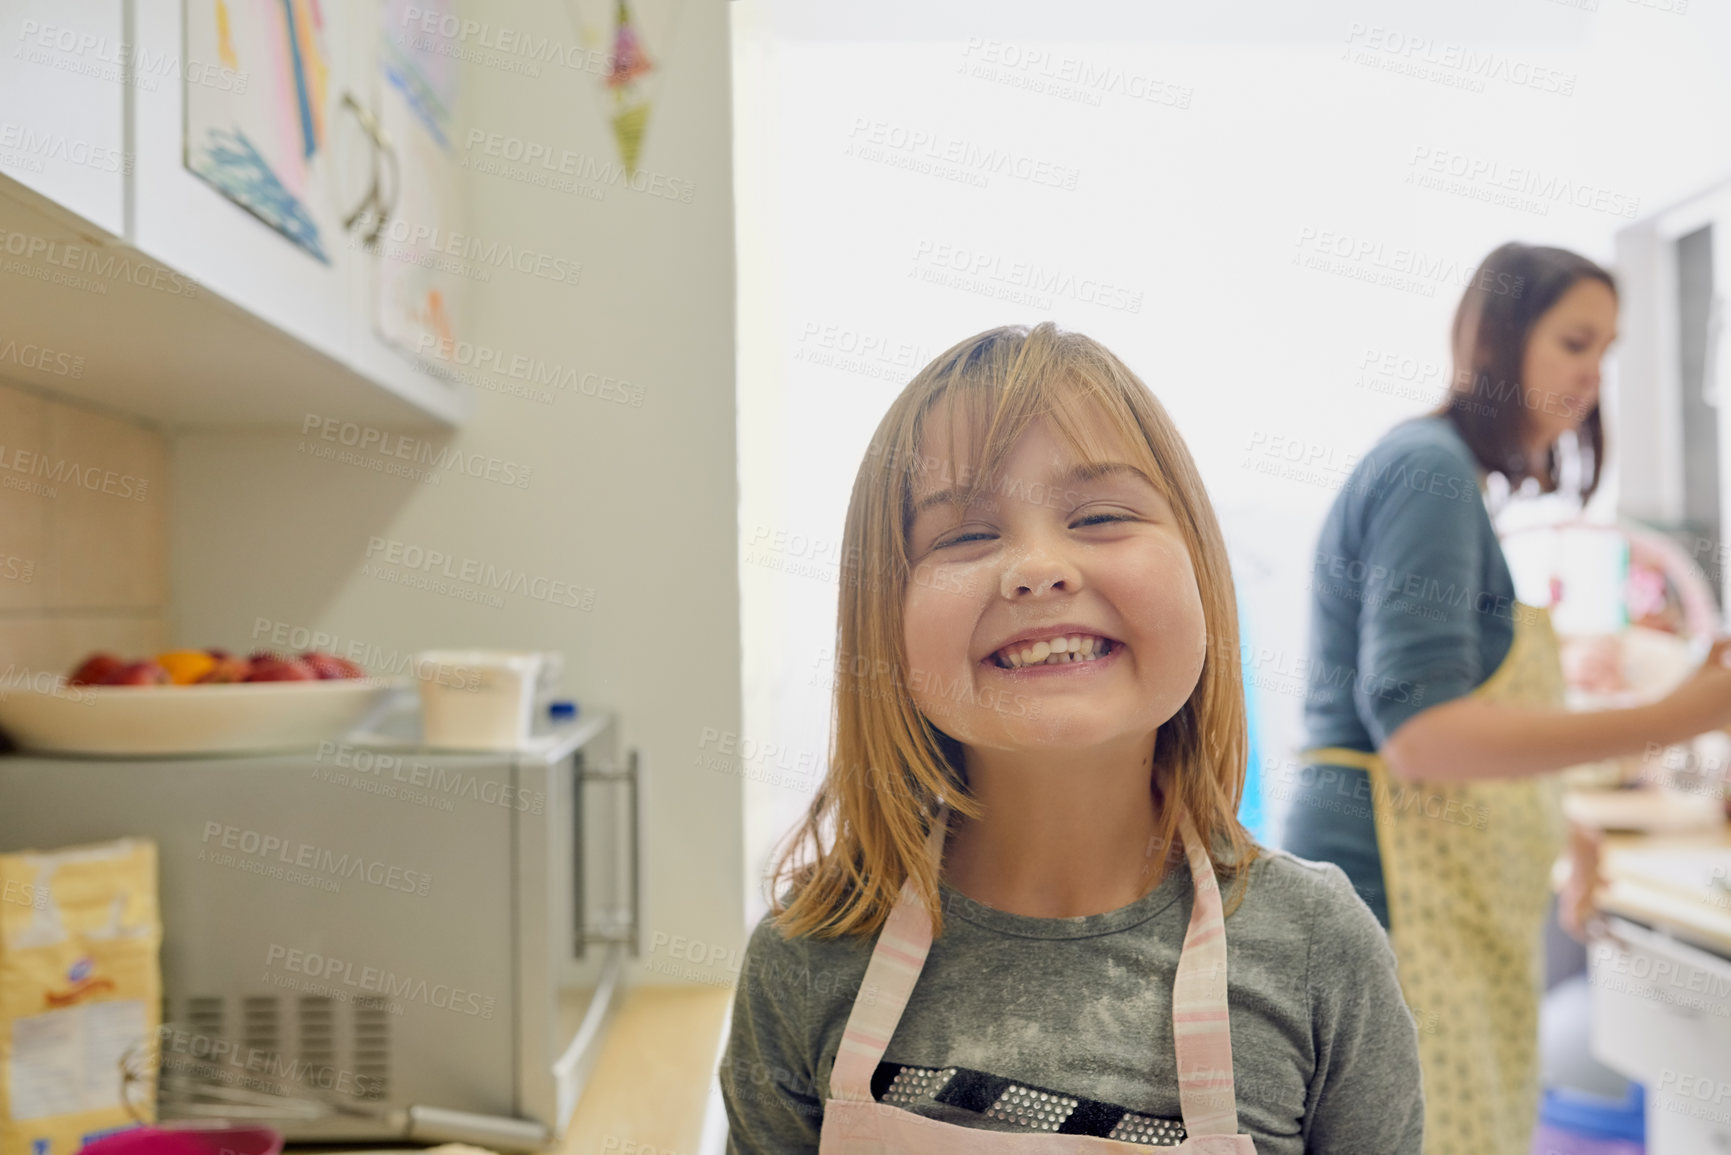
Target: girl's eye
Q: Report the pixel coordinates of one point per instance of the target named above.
(1089, 520)
(1576, 346)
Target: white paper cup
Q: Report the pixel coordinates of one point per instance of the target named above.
(477, 699)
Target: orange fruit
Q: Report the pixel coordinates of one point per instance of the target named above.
(186, 666)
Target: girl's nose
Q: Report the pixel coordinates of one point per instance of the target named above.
(1012, 588)
(1037, 575)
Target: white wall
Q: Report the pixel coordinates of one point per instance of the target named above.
(1274, 132)
(636, 502)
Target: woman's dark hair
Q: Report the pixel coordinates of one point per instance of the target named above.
(1488, 403)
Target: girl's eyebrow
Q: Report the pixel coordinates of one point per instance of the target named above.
(1076, 475)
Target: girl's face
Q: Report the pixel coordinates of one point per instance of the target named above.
(1560, 370)
(1047, 552)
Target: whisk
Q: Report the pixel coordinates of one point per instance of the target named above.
(200, 1077)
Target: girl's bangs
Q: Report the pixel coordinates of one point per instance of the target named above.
(989, 417)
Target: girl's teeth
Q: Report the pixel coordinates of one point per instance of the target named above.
(1059, 652)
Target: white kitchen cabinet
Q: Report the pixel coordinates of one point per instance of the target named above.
(253, 327)
(185, 222)
(62, 107)
(418, 225)
(1662, 1017)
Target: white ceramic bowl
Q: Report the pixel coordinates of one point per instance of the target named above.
(228, 718)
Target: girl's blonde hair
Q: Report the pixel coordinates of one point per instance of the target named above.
(889, 768)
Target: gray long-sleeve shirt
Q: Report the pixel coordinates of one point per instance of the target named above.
(1324, 1049)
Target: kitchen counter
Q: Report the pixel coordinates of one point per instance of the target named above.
(1675, 904)
(1663, 879)
(651, 1083)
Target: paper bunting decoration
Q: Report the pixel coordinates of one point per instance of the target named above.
(632, 36)
(625, 79)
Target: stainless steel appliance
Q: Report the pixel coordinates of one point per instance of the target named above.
(439, 930)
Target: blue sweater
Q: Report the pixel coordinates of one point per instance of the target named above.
(1411, 606)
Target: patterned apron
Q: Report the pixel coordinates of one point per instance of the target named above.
(856, 1124)
(1467, 868)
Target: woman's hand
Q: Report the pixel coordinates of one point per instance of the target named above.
(1576, 909)
(1594, 664)
(1703, 701)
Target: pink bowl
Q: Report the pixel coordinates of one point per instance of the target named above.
(188, 1141)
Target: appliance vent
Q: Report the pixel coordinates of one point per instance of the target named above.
(316, 1039)
(373, 1046)
(261, 1027)
(205, 1015)
(318, 1031)
(186, 1057)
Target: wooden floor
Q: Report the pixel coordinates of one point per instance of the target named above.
(650, 1085)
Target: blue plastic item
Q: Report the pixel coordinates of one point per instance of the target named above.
(1576, 1123)
(1250, 807)
(562, 710)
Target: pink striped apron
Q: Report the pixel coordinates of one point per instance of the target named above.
(856, 1124)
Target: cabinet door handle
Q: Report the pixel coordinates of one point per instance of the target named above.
(381, 147)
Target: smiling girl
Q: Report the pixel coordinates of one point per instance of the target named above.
(1014, 936)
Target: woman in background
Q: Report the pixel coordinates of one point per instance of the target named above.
(1435, 711)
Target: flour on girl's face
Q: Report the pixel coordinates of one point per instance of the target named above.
(1105, 553)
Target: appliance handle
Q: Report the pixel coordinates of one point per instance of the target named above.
(629, 934)
(636, 787)
(1715, 339)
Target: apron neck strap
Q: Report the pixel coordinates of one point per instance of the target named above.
(1201, 1030)
(888, 983)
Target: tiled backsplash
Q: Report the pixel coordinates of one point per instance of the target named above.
(83, 536)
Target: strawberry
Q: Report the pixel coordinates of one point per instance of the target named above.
(331, 666)
(96, 669)
(274, 669)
